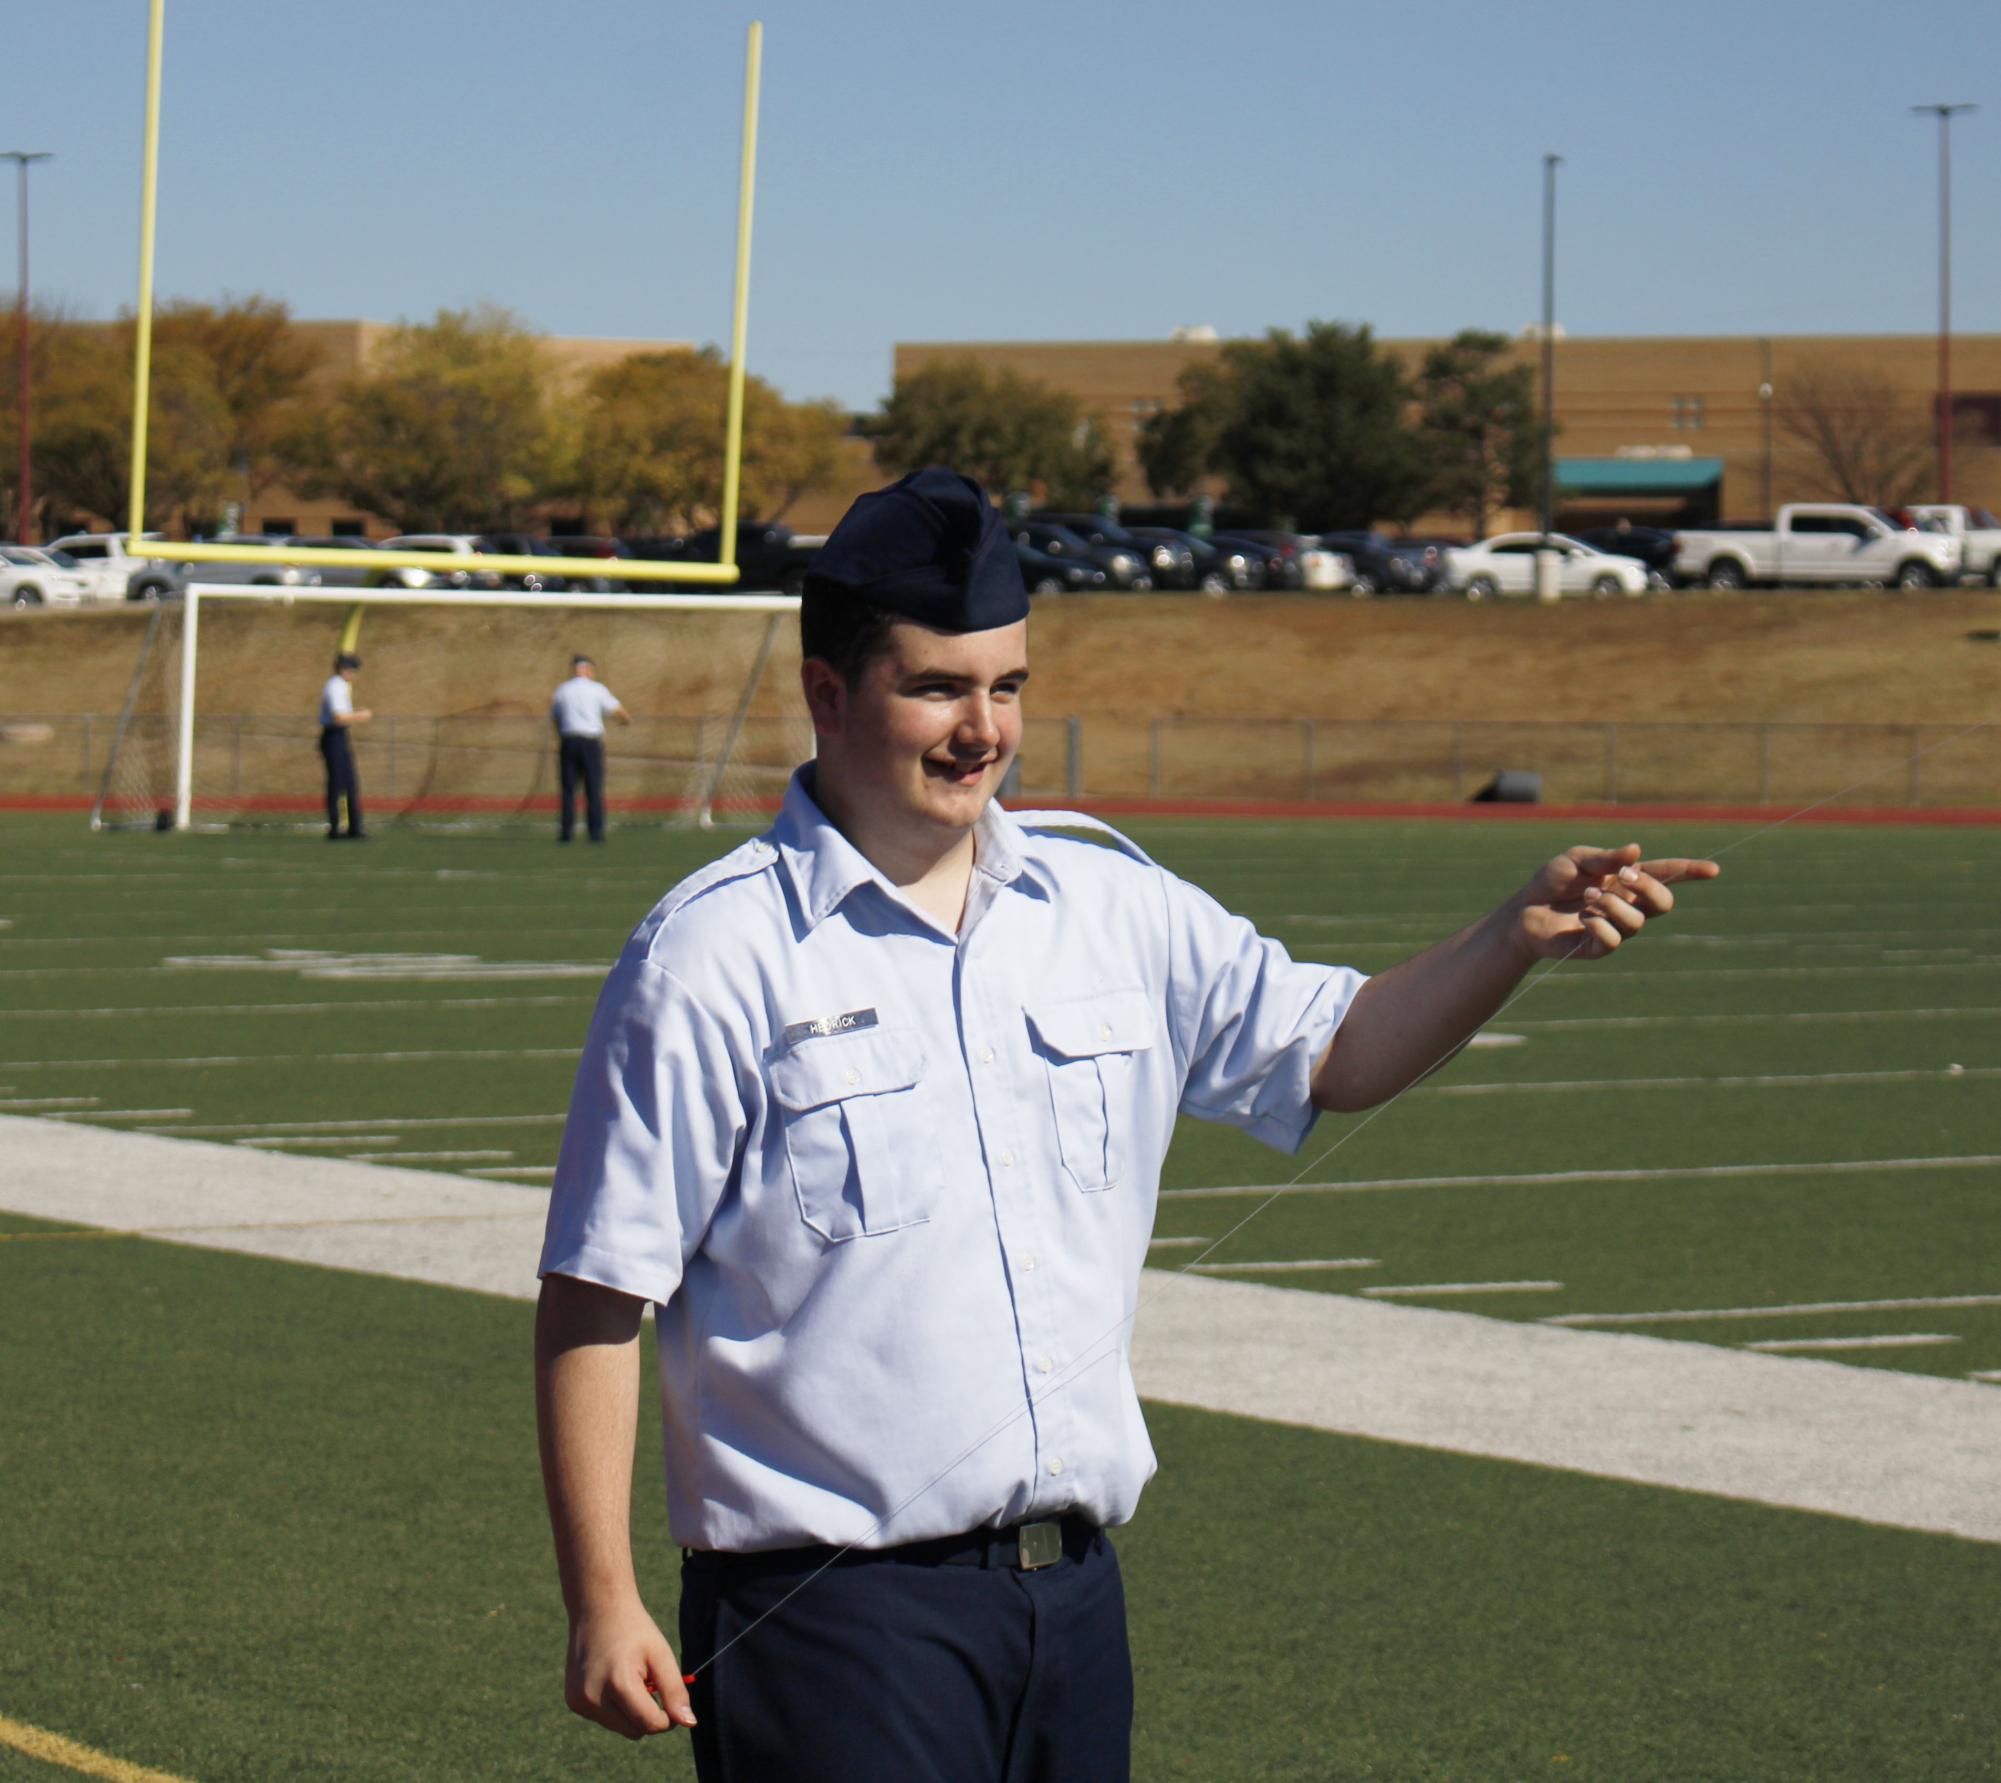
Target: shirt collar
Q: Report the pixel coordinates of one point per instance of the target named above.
(825, 866)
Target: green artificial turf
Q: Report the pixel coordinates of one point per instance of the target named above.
(266, 1520)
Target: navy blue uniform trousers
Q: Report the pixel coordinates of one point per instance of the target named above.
(582, 759)
(902, 1668)
(337, 751)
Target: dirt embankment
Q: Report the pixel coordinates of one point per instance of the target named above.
(1866, 657)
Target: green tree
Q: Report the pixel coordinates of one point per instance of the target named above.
(83, 427)
(448, 426)
(1008, 430)
(1305, 429)
(263, 369)
(648, 451)
(1477, 421)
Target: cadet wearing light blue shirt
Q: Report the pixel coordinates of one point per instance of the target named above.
(872, 1111)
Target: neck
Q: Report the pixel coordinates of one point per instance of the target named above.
(931, 866)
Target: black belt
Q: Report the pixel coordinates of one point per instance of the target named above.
(1023, 1547)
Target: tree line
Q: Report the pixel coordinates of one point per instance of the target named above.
(462, 422)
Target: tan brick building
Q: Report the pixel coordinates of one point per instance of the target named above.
(1664, 429)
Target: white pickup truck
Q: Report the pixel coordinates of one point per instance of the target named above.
(1819, 543)
(1978, 533)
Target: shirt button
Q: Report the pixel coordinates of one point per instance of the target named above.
(1028, 1263)
(1055, 1463)
(1007, 1160)
(1043, 1365)
(986, 1055)
(1104, 1033)
(852, 1077)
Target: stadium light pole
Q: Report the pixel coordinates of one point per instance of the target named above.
(1547, 584)
(1944, 114)
(24, 509)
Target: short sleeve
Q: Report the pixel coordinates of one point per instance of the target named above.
(607, 700)
(652, 1139)
(1251, 1020)
(338, 699)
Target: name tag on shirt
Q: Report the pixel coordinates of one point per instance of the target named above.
(828, 1024)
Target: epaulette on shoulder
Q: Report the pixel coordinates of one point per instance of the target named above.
(1078, 820)
(739, 863)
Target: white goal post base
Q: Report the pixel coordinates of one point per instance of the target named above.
(778, 606)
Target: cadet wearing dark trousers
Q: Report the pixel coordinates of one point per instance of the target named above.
(578, 710)
(338, 716)
(582, 758)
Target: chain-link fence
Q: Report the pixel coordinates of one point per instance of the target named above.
(488, 761)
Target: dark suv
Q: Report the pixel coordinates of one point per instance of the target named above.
(768, 556)
(1170, 563)
(1384, 565)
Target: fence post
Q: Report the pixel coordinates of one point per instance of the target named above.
(1153, 758)
(1611, 764)
(1914, 793)
(1764, 764)
(1458, 759)
(1073, 756)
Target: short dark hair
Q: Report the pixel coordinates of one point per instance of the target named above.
(578, 662)
(842, 631)
(346, 660)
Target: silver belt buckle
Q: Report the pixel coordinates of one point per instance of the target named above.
(1038, 1545)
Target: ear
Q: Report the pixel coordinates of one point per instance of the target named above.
(826, 695)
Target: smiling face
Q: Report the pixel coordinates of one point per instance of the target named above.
(911, 751)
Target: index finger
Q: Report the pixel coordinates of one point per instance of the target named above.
(1671, 872)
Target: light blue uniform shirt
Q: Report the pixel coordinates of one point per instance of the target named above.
(336, 701)
(891, 1189)
(580, 706)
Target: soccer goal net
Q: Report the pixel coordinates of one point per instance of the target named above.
(220, 726)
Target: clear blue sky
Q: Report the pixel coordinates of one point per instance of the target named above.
(1033, 171)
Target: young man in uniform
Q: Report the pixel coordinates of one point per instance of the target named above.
(337, 717)
(578, 711)
(872, 1112)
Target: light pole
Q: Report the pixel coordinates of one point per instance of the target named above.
(24, 508)
(1944, 115)
(1548, 585)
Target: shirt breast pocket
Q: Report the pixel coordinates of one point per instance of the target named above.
(854, 1142)
(1088, 1047)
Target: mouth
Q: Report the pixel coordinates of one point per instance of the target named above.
(959, 773)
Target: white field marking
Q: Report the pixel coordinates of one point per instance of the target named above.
(36, 1104)
(428, 1157)
(278, 1141)
(507, 1170)
(1288, 1265)
(1541, 1178)
(1800, 1309)
(154, 971)
(1774, 1082)
(1739, 1018)
(321, 963)
(1485, 1039)
(1164, 1242)
(1879, 1446)
(334, 1008)
(123, 1114)
(1985, 1374)
(1429, 1288)
(1909, 1340)
(390, 1122)
(1688, 974)
(296, 1058)
(458, 931)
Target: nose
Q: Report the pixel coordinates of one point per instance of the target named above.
(979, 725)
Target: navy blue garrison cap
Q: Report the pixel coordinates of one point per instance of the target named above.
(930, 547)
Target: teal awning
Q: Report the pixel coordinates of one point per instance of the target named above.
(1637, 476)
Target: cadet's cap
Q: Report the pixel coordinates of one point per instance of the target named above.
(347, 660)
(930, 547)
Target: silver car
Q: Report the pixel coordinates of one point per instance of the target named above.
(160, 579)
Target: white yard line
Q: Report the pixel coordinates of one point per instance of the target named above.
(1881, 1446)
(1813, 1080)
(278, 1141)
(1285, 1266)
(387, 1122)
(508, 1170)
(1424, 1290)
(299, 1058)
(1909, 1340)
(402, 1157)
(1985, 1374)
(1761, 1017)
(34, 1104)
(1164, 1243)
(124, 1114)
(336, 1008)
(1552, 1178)
(1799, 1309)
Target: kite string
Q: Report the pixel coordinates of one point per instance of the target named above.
(1088, 1356)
